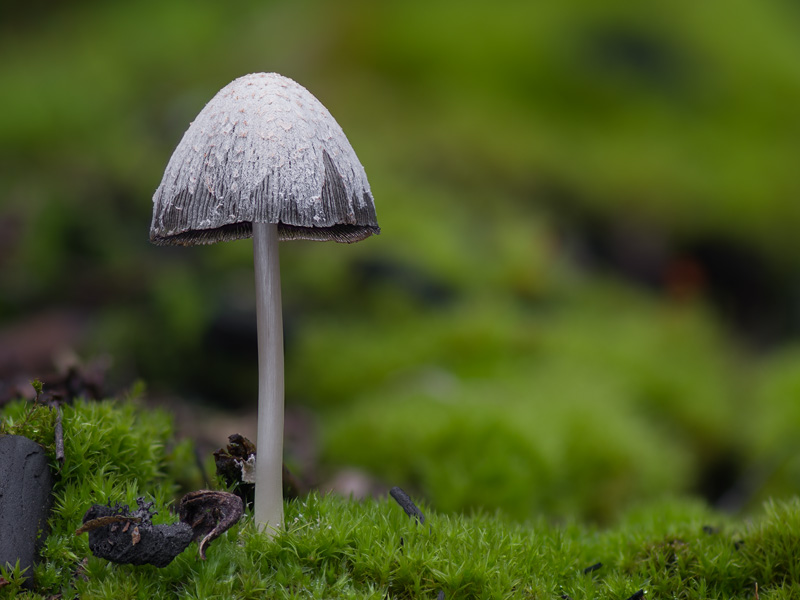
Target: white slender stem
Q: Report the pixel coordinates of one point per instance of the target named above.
(268, 506)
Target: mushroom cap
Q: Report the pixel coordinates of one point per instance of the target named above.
(263, 150)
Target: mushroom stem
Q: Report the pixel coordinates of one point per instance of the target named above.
(268, 505)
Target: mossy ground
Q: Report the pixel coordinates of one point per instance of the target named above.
(338, 548)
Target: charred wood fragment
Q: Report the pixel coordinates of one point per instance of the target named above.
(129, 537)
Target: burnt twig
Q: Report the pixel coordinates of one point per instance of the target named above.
(407, 504)
(594, 567)
(129, 537)
(59, 435)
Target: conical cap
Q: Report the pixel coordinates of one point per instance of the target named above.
(263, 150)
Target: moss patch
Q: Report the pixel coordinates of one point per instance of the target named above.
(335, 548)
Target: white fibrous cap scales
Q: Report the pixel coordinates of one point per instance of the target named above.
(263, 150)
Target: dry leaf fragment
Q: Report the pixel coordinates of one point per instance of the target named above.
(108, 520)
(210, 514)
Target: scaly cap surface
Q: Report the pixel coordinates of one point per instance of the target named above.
(263, 150)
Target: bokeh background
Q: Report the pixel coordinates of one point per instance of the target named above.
(586, 293)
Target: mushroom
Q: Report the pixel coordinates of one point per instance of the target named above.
(265, 159)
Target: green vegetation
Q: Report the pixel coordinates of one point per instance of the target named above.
(335, 548)
(484, 130)
(534, 410)
(482, 353)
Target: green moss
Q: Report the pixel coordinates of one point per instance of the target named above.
(335, 548)
(114, 452)
(579, 406)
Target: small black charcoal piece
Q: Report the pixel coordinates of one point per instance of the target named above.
(637, 595)
(126, 537)
(59, 436)
(236, 466)
(26, 484)
(407, 504)
(210, 513)
(594, 567)
(233, 462)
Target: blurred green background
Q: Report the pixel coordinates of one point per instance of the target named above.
(585, 294)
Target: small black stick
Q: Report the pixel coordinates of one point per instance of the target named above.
(407, 504)
(710, 530)
(594, 567)
(59, 433)
(637, 596)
